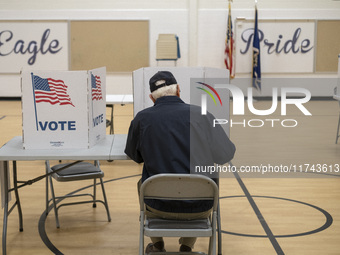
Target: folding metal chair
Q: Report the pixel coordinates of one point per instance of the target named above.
(179, 187)
(76, 172)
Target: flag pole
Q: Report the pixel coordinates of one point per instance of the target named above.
(231, 45)
(35, 104)
(256, 65)
(230, 50)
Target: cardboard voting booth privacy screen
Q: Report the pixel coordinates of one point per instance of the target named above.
(185, 77)
(97, 105)
(63, 109)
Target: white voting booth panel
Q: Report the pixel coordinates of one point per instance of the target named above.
(63, 109)
(97, 105)
(184, 76)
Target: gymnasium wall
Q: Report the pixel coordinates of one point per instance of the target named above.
(200, 26)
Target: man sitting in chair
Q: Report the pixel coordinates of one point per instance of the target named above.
(160, 137)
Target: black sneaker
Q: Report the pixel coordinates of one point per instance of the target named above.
(151, 248)
(185, 248)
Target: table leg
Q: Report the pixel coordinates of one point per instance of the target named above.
(337, 131)
(46, 187)
(4, 226)
(112, 124)
(15, 180)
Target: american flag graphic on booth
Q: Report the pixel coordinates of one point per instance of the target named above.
(96, 86)
(50, 91)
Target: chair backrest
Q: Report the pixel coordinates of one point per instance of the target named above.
(179, 187)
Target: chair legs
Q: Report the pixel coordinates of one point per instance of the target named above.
(105, 200)
(212, 241)
(93, 201)
(141, 234)
(94, 193)
(219, 230)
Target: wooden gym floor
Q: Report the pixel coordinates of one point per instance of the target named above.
(292, 214)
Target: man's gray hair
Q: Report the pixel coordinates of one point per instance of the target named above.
(170, 90)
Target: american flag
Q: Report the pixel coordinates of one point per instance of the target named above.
(50, 91)
(229, 46)
(96, 87)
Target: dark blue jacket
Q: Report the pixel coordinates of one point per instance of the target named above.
(160, 137)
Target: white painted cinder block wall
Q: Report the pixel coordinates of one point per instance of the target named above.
(194, 21)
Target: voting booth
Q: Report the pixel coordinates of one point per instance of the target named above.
(189, 80)
(63, 109)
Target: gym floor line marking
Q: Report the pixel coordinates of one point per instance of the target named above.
(260, 217)
(2, 117)
(327, 224)
(42, 220)
(49, 244)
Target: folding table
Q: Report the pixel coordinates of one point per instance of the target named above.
(111, 100)
(110, 148)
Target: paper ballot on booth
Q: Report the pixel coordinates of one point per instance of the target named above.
(58, 111)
